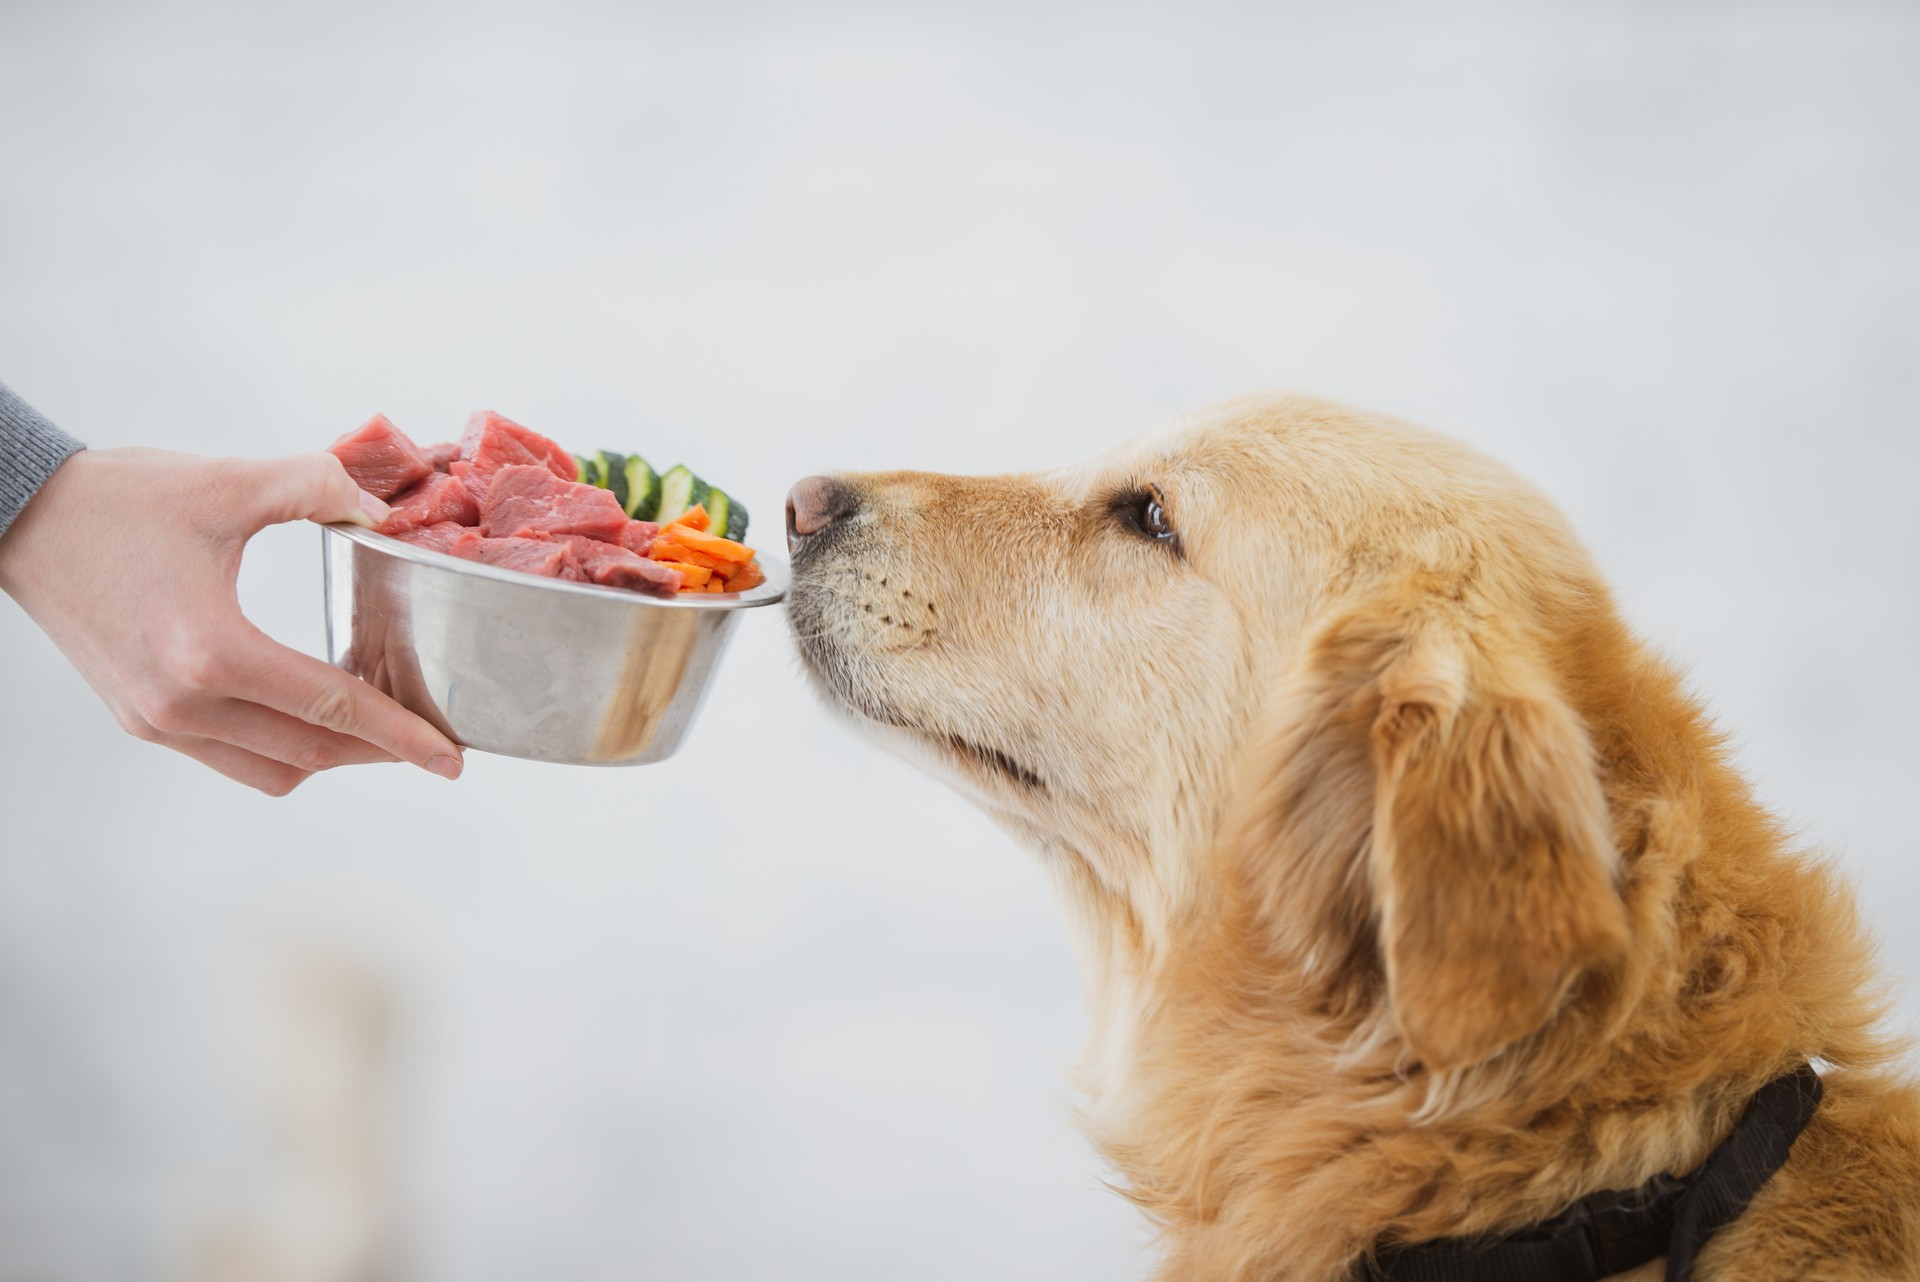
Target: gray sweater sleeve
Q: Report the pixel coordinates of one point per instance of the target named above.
(30, 449)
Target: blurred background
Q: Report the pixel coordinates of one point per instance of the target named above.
(780, 1007)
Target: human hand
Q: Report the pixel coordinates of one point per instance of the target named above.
(128, 558)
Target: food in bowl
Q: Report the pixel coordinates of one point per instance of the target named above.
(504, 495)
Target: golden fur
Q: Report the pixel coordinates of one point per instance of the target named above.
(1415, 896)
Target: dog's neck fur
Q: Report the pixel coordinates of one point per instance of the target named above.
(1262, 1108)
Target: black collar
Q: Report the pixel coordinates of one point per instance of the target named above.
(1610, 1232)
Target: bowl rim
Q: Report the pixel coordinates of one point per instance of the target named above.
(767, 593)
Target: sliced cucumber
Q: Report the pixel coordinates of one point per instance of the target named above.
(719, 504)
(642, 499)
(646, 495)
(616, 481)
(728, 513)
(676, 493)
(680, 489)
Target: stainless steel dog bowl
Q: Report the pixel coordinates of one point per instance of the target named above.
(522, 666)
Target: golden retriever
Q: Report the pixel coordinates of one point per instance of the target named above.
(1415, 897)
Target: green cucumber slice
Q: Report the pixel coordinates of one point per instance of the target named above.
(643, 489)
(616, 481)
(680, 489)
(646, 495)
(718, 506)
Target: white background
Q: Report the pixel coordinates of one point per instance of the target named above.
(781, 1008)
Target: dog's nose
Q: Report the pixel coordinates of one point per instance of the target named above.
(813, 505)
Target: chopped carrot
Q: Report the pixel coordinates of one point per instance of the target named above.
(706, 561)
(711, 544)
(667, 550)
(664, 549)
(691, 576)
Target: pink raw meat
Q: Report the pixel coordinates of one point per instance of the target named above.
(549, 558)
(475, 481)
(525, 499)
(639, 536)
(492, 442)
(440, 537)
(438, 498)
(380, 458)
(613, 566)
(441, 455)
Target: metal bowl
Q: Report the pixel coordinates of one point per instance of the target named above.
(522, 666)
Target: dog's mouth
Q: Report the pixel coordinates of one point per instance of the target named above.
(880, 712)
(838, 670)
(993, 760)
(998, 761)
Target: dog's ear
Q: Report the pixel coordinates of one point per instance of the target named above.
(1431, 805)
(1492, 862)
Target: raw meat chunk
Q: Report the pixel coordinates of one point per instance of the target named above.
(475, 481)
(618, 568)
(438, 498)
(380, 458)
(638, 536)
(440, 536)
(525, 499)
(613, 566)
(492, 442)
(441, 455)
(550, 558)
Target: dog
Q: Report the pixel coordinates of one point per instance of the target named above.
(1415, 899)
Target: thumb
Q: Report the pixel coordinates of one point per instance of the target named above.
(312, 487)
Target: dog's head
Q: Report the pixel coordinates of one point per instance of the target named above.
(1316, 662)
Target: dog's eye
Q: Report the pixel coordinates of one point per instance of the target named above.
(1153, 519)
(1146, 514)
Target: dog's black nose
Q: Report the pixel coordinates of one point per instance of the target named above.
(813, 505)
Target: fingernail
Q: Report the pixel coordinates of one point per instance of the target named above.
(445, 767)
(376, 512)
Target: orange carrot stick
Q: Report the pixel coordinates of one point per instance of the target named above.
(691, 576)
(711, 544)
(667, 550)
